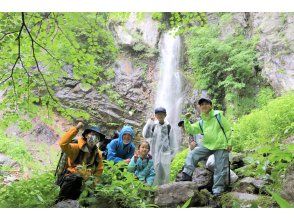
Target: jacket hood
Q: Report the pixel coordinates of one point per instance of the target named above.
(125, 130)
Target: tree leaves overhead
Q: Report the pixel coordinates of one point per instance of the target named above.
(39, 48)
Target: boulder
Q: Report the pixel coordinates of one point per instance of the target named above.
(177, 193)
(6, 161)
(250, 185)
(245, 197)
(288, 185)
(67, 204)
(203, 178)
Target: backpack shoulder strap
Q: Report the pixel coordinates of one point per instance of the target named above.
(201, 126)
(168, 128)
(218, 118)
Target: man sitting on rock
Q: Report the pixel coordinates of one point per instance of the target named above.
(82, 159)
(122, 148)
(216, 131)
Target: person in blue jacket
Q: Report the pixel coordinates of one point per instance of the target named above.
(142, 164)
(122, 148)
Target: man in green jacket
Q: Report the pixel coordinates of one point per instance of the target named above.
(216, 132)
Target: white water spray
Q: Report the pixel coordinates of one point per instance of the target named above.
(169, 91)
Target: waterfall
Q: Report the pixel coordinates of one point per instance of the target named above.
(169, 91)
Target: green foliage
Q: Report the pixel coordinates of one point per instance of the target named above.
(116, 188)
(177, 164)
(37, 192)
(14, 118)
(229, 201)
(186, 204)
(16, 149)
(268, 160)
(223, 67)
(264, 96)
(282, 202)
(113, 95)
(266, 126)
(81, 41)
(260, 135)
(181, 21)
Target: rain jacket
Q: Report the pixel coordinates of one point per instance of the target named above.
(214, 138)
(143, 169)
(117, 150)
(72, 151)
(162, 147)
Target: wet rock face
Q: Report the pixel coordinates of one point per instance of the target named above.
(137, 29)
(134, 90)
(135, 70)
(43, 133)
(275, 46)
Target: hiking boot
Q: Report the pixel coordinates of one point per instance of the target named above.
(185, 177)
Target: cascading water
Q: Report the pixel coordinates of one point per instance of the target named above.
(169, 91)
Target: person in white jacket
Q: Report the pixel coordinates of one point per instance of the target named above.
(160, 135)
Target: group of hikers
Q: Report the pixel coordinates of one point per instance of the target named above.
(151, 161)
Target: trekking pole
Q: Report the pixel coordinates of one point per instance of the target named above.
(229, 173)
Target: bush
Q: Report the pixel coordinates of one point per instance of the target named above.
(37, 192)
(260, 135)
(16, 150)
(266, 126)
(178, 163)
(116, 188)
(224, 67)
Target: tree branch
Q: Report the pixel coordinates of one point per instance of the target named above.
(35, 58)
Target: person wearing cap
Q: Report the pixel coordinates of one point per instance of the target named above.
(122, 148)
(159, 134)
(82, 159)
(216, 131)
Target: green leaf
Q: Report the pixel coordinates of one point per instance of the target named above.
(282, 202)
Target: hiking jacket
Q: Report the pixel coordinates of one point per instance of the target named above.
(117, 150)
(72, 151)
(143, 169)
(213, 138)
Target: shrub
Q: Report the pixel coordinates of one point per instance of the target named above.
(37, 192)
(177, 164)
(266, 126)
(116, 188)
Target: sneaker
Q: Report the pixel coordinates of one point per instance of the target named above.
(186, 177)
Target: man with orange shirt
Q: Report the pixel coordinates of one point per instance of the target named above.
(82, 159)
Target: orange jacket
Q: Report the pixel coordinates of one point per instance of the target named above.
(72, 150)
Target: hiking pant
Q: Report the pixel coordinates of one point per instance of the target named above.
(220, 169)
(70, 188)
